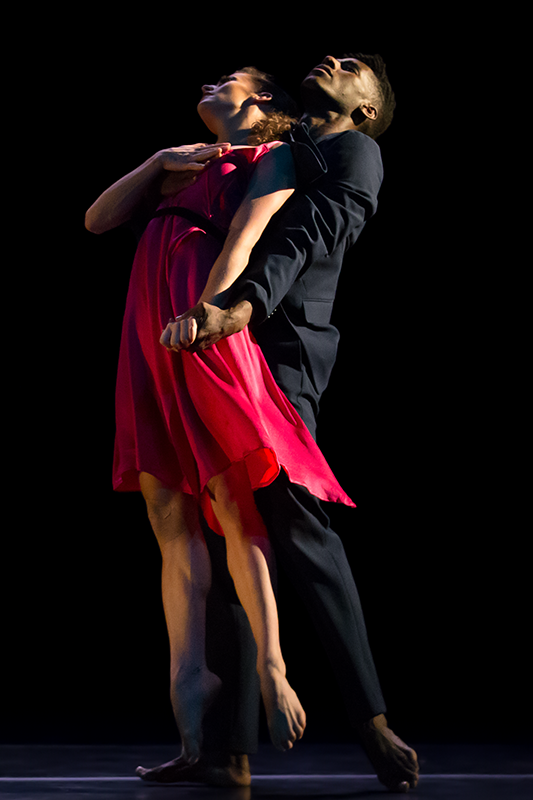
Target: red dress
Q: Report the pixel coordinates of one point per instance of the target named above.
(186, 417)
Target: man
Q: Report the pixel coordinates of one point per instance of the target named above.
(286, 295)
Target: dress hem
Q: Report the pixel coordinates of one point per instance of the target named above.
(270, 473)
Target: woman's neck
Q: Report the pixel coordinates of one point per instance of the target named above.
(237, 129)
(239, 137)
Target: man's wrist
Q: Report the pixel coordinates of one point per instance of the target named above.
(240, 315)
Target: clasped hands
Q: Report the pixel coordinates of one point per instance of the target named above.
(204, 325)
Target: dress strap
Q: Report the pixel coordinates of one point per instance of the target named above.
(202, 222)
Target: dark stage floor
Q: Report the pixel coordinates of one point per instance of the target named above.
(105, 772)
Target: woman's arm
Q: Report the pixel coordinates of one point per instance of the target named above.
(272, 184)
(121, 200)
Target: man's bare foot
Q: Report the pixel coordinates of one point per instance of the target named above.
(395, 763)
(192, 693)
(285, 715)
(231, 770)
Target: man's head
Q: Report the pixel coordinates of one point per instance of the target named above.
(355, 86)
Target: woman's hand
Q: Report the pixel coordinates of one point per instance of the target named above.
(190, 156)
(183, 164)
(137, 189)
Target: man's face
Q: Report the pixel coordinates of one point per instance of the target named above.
(347, 83)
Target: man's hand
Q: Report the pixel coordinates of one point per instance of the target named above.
(204, 325)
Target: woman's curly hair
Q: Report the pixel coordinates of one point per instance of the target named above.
(281, 112)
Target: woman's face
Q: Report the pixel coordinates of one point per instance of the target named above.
(225, 98)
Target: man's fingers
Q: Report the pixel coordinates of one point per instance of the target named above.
(165, 337)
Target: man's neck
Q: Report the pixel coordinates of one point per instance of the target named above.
(321, 125)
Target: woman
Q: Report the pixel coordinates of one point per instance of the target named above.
(205, 430)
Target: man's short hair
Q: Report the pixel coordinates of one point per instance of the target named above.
(384, 99)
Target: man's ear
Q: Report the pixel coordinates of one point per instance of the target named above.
(369, 111)
(364, 112)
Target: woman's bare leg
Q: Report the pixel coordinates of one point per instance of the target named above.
(250, 563)
(185, 582)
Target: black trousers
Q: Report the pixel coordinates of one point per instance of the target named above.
(312, 554)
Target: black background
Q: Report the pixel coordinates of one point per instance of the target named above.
(419, 422)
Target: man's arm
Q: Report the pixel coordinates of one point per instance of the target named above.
(313, 225)
(309, 226)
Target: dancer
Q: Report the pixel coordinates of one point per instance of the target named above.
(286, 295)
(209, 429)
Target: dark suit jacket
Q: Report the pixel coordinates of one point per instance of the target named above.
(292, 275)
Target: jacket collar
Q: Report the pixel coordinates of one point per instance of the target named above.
(309, 161)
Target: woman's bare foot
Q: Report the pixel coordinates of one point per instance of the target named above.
(192, 693)
(285, 715)
(230, 770)
(396, 763)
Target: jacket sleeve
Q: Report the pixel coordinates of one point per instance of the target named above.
(314, 222)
